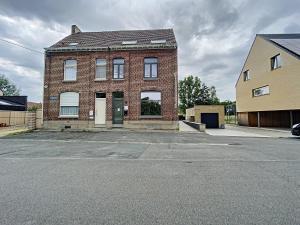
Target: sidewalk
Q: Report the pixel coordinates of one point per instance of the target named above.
(186, 128)
(242, 131)
(10, 131)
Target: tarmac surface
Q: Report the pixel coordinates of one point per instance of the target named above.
(124, 177)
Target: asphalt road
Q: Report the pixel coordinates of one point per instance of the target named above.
(148, 178)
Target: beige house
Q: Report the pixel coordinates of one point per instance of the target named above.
(213, 116)
(268, 87)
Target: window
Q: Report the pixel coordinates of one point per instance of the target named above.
(118, 68)
(100, 69)
(261, 91)
(70, 69)
(150, 103)
(150, 67)
(275, 62)
(69, 104)
(246, 75)
(129, 42)
(158, 41)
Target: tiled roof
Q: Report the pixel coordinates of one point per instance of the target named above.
(289, 42)
(114, 39)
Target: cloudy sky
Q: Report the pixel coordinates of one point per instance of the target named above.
(214, 36)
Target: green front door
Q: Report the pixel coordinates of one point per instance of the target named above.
(118, 110)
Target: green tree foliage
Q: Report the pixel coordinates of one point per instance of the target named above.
(8, 88)
(194, 92)
(229, 107)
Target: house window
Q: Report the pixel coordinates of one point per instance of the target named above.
(150, 103)
(69, 104)
(261, 91)
(100, 69)
(150, 67)
(70, 70)
(118, 68)
(275, 62)
(246, 75)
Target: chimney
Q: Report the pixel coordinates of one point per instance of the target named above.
(75, 29)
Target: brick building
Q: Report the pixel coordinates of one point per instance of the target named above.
(112, 79)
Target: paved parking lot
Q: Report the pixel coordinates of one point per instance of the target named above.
(123, 177)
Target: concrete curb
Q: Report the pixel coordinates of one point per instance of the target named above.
(13, 132)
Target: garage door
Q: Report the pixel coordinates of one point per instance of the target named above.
(210, 119)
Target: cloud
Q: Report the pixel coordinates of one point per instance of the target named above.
(214, 36)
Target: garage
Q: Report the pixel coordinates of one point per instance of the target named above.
(213, 116)
(211, 120)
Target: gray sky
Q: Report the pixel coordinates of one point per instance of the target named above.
(214, 36)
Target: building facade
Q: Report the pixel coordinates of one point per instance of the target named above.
(112, 79)
(267, 90)
(213, 116)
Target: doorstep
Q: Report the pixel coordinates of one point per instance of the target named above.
(117, 126)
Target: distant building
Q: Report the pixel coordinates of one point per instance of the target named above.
(34, 105)
(268, 87)
(1, 93)
(112, 79)
(13, 103)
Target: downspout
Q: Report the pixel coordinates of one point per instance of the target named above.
(48, 83)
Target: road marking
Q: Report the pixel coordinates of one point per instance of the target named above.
(117, 142)
(139, 159)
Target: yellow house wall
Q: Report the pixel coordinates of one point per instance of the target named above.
(189, 113)
(284, 82)
(210, 109)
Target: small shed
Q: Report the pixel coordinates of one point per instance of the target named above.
(13, 103)
(213, 116)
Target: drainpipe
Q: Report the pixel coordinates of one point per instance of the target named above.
(258, 119)
(291, 119)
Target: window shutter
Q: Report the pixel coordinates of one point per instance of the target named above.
(69, 99)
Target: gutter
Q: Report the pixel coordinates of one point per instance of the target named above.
(116, 47)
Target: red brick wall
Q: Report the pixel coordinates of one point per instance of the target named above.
(132, 84)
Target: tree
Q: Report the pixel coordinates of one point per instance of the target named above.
(8, 88)
(194, 92)
(229, 107)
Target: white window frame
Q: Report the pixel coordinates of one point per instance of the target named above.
(69, 67)
(98, 65)
(265, 90)
(69, 102)
(276, 62)
(246, 75)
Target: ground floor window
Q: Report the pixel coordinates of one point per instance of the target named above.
(69, 104)
(150, 103)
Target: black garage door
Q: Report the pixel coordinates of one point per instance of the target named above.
(210, 119)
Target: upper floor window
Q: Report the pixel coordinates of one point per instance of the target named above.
(275, 62)
(246, 75)
(150, 67)
(261, 91)
(70, 69)
(69, 104)
(118, 68)
(100, 69)
(150, 103)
